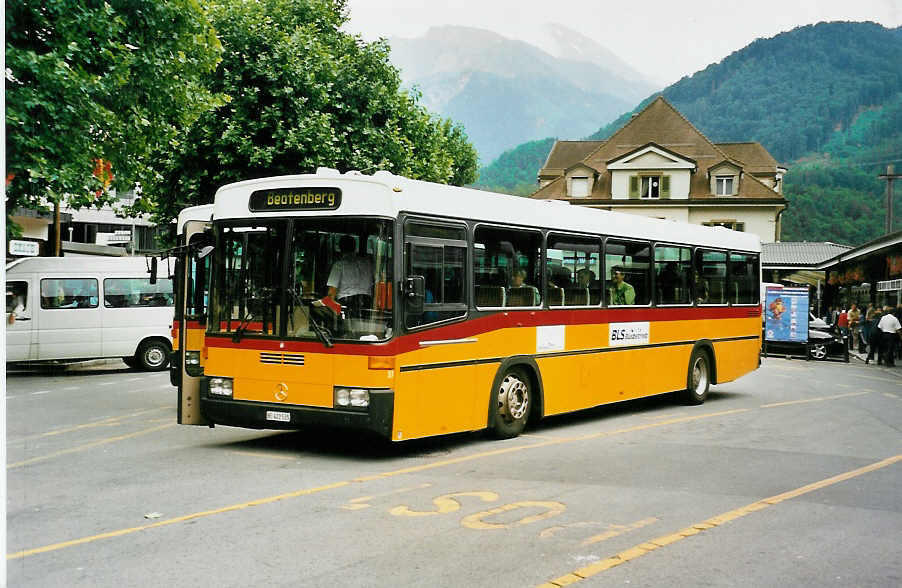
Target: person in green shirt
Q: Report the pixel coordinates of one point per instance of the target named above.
(621, 292)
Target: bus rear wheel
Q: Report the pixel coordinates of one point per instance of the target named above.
(153, 356)
(698, 380)
(512, 401)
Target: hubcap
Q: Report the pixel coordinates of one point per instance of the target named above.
(154, 356)
(513, 398)
(699, 375)
(819, 351)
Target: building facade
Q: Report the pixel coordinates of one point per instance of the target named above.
(659, 165)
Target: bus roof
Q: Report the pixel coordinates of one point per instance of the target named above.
(202, 212)
(385, 194)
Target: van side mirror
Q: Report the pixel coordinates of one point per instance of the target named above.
(205, 251)
(153, 270)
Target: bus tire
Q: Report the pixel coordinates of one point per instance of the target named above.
(698, 380)
(512, 400)
(153, 355)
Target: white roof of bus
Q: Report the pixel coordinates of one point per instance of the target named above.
(385, 194)
(202, 212)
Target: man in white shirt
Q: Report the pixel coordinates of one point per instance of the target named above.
(889, 328)
(351, 279)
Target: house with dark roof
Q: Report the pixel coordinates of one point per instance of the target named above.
(659, 165)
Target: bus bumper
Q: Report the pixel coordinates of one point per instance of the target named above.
(377, 417)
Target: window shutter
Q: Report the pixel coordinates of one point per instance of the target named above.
(665, 186)
(634, 187)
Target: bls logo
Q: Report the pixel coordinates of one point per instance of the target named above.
(281, 392)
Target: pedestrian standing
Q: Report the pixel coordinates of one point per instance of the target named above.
(854, 326)
(889, 328)
(866, 327)
(842, 321)
(874, 337)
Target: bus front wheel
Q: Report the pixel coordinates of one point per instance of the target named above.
(153, 355)
(698, 380)
(512, 400)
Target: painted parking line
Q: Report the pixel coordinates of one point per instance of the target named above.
(105, 422)
(379, 476)
(359, 480)
(818, 399)
(40, 392)
(78, 448)
(641, 549)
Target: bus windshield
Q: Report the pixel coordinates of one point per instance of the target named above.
(298, 278)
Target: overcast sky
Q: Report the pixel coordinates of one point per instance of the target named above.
(664, 40)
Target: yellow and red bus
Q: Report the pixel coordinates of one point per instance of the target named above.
(192, 281)
(476, 310)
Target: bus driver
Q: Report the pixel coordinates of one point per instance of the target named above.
(351, 279)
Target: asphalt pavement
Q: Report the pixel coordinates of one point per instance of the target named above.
(787, 476)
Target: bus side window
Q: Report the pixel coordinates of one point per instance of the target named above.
(628, 267)
(673, 269)
(508, 267)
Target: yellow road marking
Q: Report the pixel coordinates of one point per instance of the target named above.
(111, 421)
(304, 492)
(78, 448)
(877, 378)
(649, 546)
(474, 521)
(359, 503)
(206, 513)
(890, 394)
(818, 399)
(615, 530)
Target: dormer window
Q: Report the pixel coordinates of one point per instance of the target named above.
(651, 187)
(579, 187)
(724, 185)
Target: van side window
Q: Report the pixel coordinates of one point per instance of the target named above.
(69, 293)
(136, 292)
(16, 298)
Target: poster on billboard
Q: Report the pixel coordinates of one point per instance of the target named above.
(786, 315)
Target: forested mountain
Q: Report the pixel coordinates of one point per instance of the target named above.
(825, 100)
(505, 92)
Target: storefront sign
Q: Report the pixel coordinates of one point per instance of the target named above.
(24, 248)
(786, 315)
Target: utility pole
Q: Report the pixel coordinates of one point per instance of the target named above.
(889, 176)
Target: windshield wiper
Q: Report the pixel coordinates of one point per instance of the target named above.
(242, 327)
(322, 333)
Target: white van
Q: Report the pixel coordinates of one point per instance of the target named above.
(75, 308)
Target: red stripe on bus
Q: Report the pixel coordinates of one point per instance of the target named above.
(492, 322)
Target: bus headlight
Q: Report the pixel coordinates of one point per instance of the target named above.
(358, 398)
(220, 387)
(192, 363)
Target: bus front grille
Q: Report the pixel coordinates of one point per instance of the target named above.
(282, 358)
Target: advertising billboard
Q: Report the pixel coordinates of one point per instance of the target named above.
(786, 315)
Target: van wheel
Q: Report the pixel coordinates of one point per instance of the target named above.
(153, 356)
(698, 380)
(512, 401)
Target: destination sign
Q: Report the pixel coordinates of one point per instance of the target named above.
(282, 199)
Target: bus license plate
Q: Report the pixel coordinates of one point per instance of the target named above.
(274, 415)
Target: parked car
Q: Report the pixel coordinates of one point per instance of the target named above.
(824, 341)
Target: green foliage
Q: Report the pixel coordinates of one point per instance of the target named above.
(514, 172)
(93, 80)
(305, 94)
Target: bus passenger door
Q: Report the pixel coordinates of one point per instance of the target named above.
(191, 310)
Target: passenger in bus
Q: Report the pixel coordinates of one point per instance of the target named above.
(351, 279)
(520, 293)
(701, 288)
(621, 292)
(585, 277)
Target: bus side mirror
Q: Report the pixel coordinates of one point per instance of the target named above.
(205, 251)
(415, 291)
(153, 270)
